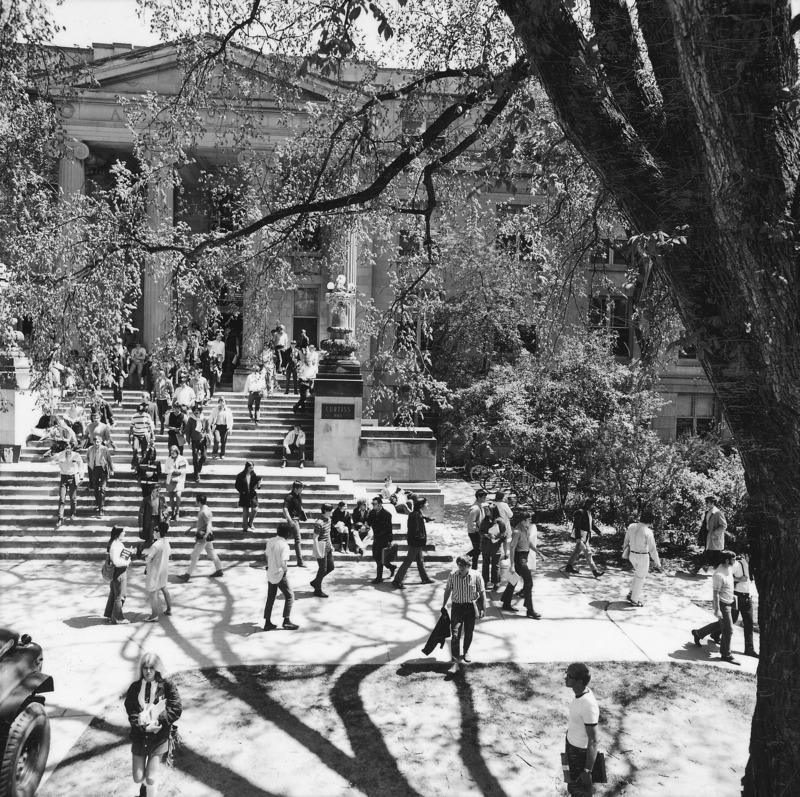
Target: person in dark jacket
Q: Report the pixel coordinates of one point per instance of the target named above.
(417, 538)
(153, 706)
(247, 484)
(342, 529)
(379, 521)
(583, 525)
(440, 633)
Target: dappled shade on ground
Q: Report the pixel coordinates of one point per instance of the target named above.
(401, 730)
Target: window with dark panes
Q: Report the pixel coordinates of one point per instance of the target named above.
(613, 313)
(695, 414)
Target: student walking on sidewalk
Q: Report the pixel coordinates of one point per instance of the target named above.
(203, 539)
(639, 548)
(417, 538)
(469, 602)
(524, 541)
(278, 578)
(323, 549)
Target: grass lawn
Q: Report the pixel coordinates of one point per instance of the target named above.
(390, 730)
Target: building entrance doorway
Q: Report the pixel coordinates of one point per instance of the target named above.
(306, 313)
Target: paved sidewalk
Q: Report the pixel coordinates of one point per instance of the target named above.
(214, 622)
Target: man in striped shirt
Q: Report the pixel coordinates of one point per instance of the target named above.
(469, 600)
(141, 432)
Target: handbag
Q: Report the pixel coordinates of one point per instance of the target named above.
(599, 774)
(389, 554)
(107, 570)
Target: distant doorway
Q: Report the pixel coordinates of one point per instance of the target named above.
(306, 313)
(310, 325)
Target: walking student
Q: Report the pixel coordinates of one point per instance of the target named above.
(197, 434)
(277, 552)
(417, 538)
(120, 557)
(221, 422)
(639, 548)
(474, 517)
(583, 525)
(469, 602)
(153, 706)
(157, 578)
(140, 433)
(293, 512)
(743, 603)
(247, 484)
(379, 521)
(723, 598)
(254, 386)
(203, 539)
(175, 469)
(522, 550)
(581, 741)
(70, 464)
(99, 461)
(323, 549)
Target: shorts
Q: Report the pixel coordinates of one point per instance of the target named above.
(150, 745)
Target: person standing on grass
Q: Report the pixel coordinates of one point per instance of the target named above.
(582, 526)
(581, 741)
(293, 512)
(153, 706)
(278, 578)
(417, 538)
(157, 565)
(379, 520)
(524, 541)
(203, 539)
(70, 464)
(639, 548)
(723, 599)
(474, 517)
(247, 484)
(469, 603)
(323, 548)
(254, 386)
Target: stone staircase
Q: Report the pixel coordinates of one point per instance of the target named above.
(29, 492)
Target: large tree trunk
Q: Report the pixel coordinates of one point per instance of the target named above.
(698, 140)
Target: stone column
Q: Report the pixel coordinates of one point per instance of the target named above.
(71, 175)
(351, 274)
(157, 288)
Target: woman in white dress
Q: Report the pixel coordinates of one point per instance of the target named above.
(158, 572)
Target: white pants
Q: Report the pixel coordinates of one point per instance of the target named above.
(641, 567)
(198, 549)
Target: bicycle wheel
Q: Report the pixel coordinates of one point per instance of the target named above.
(480, 474)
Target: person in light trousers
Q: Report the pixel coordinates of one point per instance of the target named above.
(639, 548)
(203, 539)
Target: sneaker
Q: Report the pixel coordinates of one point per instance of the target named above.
(123, 621)
(151, 619)
(637, 604)
(696, 638)
(290, 626)
(216, 574)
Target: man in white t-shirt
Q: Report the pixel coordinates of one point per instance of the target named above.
(278, 578)
(582, 742)
(744, 601)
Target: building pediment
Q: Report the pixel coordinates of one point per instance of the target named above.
(157, 69)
